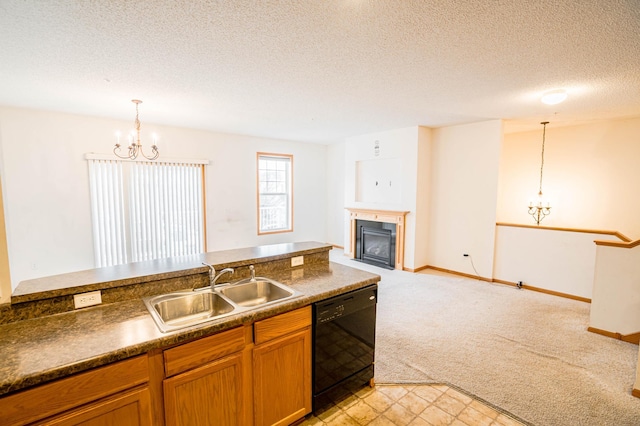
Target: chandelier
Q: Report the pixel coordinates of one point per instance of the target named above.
(135, 147)
(539, 210)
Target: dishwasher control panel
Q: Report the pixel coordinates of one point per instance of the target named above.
(345, 304)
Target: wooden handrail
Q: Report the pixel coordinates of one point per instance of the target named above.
(617, 234)
(625, 243)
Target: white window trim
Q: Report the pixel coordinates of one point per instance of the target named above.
(260, 155)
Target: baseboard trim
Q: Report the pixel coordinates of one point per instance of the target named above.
(337, 246)
(513, 284)
(462, 274)
(418, 269)
(544, 290)
(629, 338)
(636, 392)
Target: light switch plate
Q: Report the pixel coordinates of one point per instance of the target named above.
(91, 298)
(297, 261)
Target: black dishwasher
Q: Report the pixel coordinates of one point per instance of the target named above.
(344, 331)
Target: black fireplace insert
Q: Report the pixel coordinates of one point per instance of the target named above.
(376, 243)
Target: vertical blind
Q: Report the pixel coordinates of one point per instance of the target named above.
(107, 210)
(146, 210)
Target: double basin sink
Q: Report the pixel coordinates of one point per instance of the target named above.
(182, 309)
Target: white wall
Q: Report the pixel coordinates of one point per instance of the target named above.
(464, 182)
(591, 176)
(335, 194)
(616, 290)
(409, 147)
(46, 189)
(560, 261)
(423, 189)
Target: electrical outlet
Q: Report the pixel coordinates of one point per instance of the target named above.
(297, 261)
(87, 299)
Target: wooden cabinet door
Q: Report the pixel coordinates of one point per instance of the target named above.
(128, 409)
(282, 379)
(208, 395)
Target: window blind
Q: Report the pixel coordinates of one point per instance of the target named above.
(107, 209)
(146, 210)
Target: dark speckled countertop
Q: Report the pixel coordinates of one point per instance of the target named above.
(41, 349)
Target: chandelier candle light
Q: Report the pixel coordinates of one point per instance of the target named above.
(539, 211)
(135, 147)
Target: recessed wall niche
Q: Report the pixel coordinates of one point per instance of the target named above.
(379, 181)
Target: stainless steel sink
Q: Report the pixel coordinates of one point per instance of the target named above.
(182, 309)
(256, 293)
(177, 310)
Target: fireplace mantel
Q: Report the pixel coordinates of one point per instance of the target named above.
(386, 216)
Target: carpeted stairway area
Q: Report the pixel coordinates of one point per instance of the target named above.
(525, 352)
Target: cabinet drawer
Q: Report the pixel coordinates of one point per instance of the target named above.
(55, 397)
(280, 325)
(130, 408)
(202, 351)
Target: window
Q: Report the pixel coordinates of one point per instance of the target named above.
(275, 189)
(145, 210)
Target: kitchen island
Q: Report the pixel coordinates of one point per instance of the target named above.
(47, 349)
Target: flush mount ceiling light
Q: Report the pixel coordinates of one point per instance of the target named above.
(135, 147)
(554, 97)
(539, 210)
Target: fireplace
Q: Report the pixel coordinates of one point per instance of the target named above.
(376, 243)
(382, 219)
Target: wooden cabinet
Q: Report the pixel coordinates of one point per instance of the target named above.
(113, 394)
(128, 409)
(209, 395)
(254, 374)
(207, 381)
(282, 368)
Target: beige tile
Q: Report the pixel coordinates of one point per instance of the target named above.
(312, 421)
(362, 412)
(395, 405)
(459, 396)
(413, 403)
(379, 401)
(399, 415)
(450, 404)
(343, 419)
(419, 421)
(347, 402)
(329, 413)
(428, 393)
(474, 417)
(365, 392)
(484, 409)
(442, 388)
(504, 420)
(436, 417)
(393, 392)
(381, 421)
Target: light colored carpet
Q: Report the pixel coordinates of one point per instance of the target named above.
(525, 352)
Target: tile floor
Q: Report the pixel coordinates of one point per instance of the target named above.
(414, 405)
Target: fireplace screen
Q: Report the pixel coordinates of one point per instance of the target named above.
(377, 246)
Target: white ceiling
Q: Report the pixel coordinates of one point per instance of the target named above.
(323, 70)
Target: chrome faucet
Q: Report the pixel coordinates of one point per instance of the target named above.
(252, 271)
(213, 277)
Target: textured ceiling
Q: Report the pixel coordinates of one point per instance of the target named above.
(323, 70)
